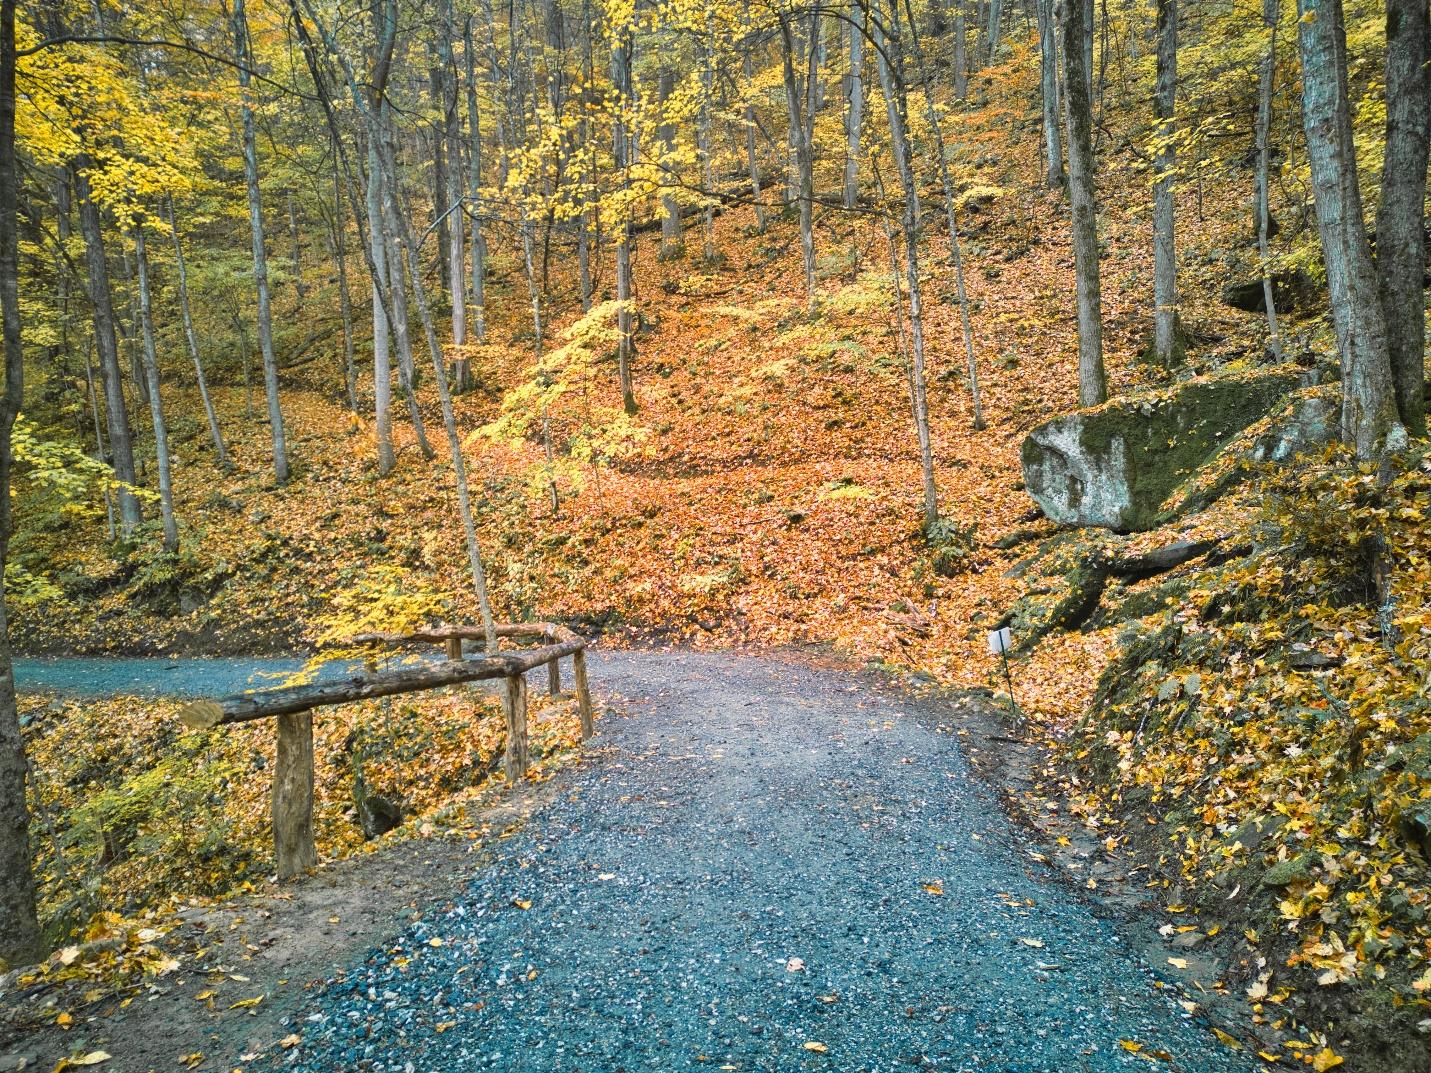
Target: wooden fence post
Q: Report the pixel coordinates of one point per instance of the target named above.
(293, 844)
(554, 678)
(516, 760)
(583, 692)
(454, 648)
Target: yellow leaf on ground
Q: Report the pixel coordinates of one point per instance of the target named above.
(1326, 1059)
(1178, 963)
(817, 1047)
(1130, 1045)
(1037, 944)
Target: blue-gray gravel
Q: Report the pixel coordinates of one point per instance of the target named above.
(745, 878)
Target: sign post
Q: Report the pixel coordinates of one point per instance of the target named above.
(1000, 641)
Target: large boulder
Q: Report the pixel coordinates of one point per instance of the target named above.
(1114, 465)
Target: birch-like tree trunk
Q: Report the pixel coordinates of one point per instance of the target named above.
(854, 107)
(121, 444)
(382, 337)
(156, 404)
(1167, 342)
(751, 162)
(260, 249)
(1370, 419)
(1055, 177)
(621, 155)
(1083, 199)
(896, 107)
(221, 453)
(478, 244)
(1271, 16)
(1400, 221)
(666, 132)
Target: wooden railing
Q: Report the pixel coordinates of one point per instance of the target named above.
(292, 706)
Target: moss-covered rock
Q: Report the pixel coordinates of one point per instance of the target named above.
(1114, 465)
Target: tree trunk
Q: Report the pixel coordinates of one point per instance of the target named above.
(1048, 81)
(1369, 414)
(121, 446)
(1092, 383)
(855, 109)
(1400, 221)
(1167, 342)
(1271, 16)
(20, 938)
(215, 433)
(382, 337)
(896, 106)
(666, 131)
(474, 186)
(621, 150)
(961, 53)
(299, 290)
(345, 299)
(453, 232)
(795, 94)
(156, 405)
(260, 252)
(931, 112)
(751, 163)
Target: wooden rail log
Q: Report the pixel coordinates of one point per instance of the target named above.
(287, 700)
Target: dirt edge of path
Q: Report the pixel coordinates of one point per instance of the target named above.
(273, 946)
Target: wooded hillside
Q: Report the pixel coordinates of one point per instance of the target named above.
(866, 327)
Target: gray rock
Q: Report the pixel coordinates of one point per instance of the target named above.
(1114, 465)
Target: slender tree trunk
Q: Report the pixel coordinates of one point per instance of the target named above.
(1271, 16)
(621, 151)
(1092, 382)
(20, 938)
(895, 98)
(1400, 221)
(215, 433)
(1370, 419)
(704, 139)
(666, 132)
(453, 231)
(156, 405)
(1048, 72)
(300, 292)
(795, 94)
(961, 53)
(382, 337)
(260, 252)
(1167, 342)
(345, 300)
(931, 112)
(992, 31)
(751, 162)
(855, 108)
(474, 188)
(98, 438)
(121, 445)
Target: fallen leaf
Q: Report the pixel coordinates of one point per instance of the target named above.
(1326, 1059)
(1037, 944)
(817, 1047)
(1178, 963)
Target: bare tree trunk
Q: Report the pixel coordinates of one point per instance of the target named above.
(1092, 382)
(1048, 74)
(896, 106)
(382, 337)
(704, 140)
(751, 162)
(1270, 18)
(299, 290)
(260, 252)
(795, 94)
(20, 940)
(1370, 419)
(452, 231)
(621, 150)
(215, 433)
(121, 446)
(1167, 341)
(156, 405)
(991, 32)
(931, 113)
(339, 247)
(1400, 221)
(961, 52)
(855, 108)
(474, 188)
(666, 132)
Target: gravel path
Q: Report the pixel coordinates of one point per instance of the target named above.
(745, 878)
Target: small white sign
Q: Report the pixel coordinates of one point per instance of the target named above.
(1000, 641)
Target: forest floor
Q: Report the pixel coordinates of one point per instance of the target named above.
(765, 862)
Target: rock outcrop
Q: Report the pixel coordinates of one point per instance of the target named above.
(1114, 465)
